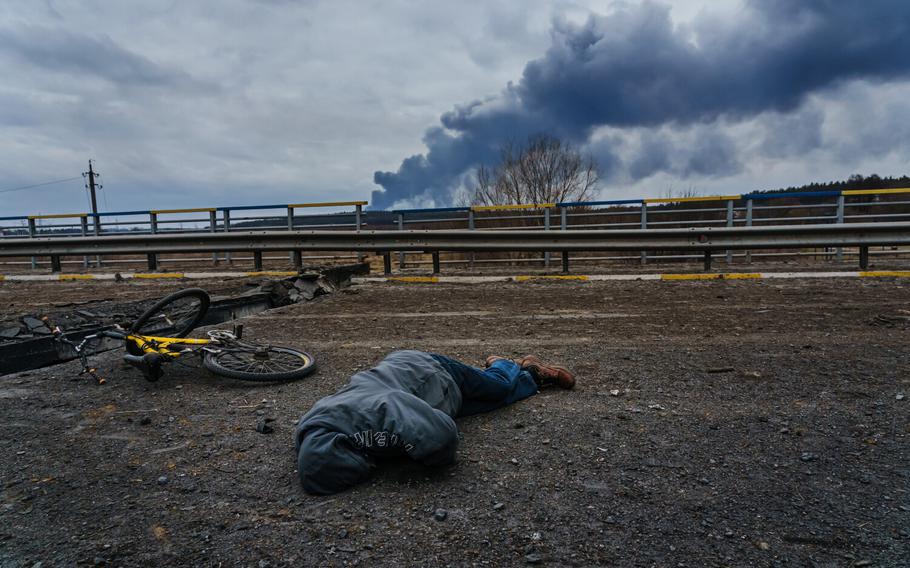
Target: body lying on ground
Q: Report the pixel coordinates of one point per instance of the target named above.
(406, 405)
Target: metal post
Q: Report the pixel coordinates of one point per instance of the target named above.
(83, 221)
(401, 254)
(436, 262)
(546, 227)
(562, 227)
(153, 227)
(473, 256)
(297, 259)
(257, 260)
(91, 186)
(386, 263)
(55, 263)
(707, 261)
(644, 225)
(864, 257)
(32, 230)
(729, 224)
(839, 251)
(227, 228)
(213, 226)
(748, 224)
(291, 228)
(358, 213)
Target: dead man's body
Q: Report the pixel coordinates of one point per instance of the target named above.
(406, 405)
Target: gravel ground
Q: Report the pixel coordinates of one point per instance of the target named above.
(738, 423)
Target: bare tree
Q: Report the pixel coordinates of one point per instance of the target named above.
(544, 170)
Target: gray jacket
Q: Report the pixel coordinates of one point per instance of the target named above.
(402, 406)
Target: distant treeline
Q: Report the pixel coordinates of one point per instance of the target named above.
(855, 181)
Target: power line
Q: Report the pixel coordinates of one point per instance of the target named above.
(38, 184)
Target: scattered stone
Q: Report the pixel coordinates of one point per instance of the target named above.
(263, 427)
(763, 546)
(533, 558)
(614, 392)
(162, 480)
(513, 461)
(863, 563)
(498, 506)
(264, 564)
(145, 420)
(13, 331)
(899, 396)
(720, 369)
(440, 515)
(33, 323)
(343, 533)
(808, 457)
(98, 561)
(545, 441)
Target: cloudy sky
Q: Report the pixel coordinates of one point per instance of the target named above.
(236, 102)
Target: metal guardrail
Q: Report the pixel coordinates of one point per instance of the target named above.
(706, 240)
(757, 209)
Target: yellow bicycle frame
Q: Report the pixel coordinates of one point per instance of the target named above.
(162, 345)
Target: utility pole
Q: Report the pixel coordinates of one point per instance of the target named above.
(91, 187)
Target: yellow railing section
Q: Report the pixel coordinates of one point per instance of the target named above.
(58, 216)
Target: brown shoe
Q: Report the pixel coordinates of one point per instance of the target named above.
(546, 373)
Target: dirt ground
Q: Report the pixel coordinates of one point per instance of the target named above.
(737, 423)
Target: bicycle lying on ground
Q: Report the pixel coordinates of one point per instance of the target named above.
(158, 336)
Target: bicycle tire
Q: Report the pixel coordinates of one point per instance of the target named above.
(183, 328)
(221, 363)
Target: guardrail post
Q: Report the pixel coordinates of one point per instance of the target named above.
(387, 263)
(152, 261)
(97, 219)
(546, 227)
(436, 262)
(839, 251)
(227, 229)
(562, 227)
(83, 225)
(707, 261)
(401, 254)
(729, 224)
(291, 228)
(55, 263)
(32, 231)
(213, 226)
(297, 259)
(473, 256)
(748, 224)
(358, 213)
(644, 225)
(153, 227)
(257, 260)
(864, 257)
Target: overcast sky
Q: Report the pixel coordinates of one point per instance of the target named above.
(235, 102)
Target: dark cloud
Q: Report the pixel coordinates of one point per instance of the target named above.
(634, 68)
(61, 51)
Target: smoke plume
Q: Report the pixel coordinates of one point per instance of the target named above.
(634, 68)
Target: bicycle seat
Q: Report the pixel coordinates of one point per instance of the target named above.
(149, 364)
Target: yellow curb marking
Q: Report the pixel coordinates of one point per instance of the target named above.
(155, 276)
(75, 277)
(885, 273)
(726, 276)
(550, 277)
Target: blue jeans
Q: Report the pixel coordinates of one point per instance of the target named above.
(483, 390)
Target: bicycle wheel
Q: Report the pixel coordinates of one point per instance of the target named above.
(175, 315)
(260, 363)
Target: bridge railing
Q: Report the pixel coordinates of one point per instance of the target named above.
(756, 209)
